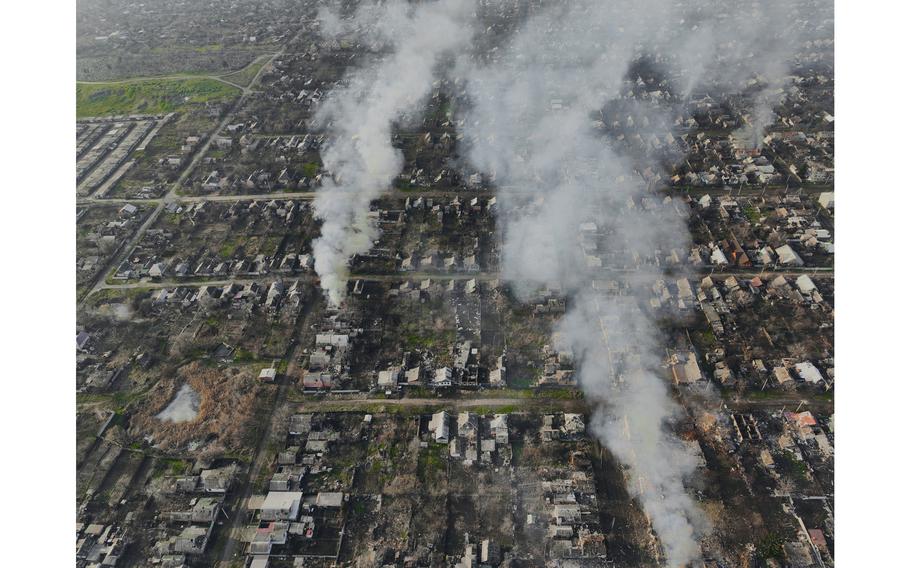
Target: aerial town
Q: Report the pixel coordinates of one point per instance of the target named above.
(453, 283)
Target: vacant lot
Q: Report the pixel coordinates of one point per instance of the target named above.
(152, 96)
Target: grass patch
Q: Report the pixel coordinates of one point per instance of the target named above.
(403, 184)
(487, 410)
(310, 169)
(771, 546)
(792, 466)
(169, 466)
(561, 393)
(154, 96)
(706, 338)
(244, 77)
(431, 461)
(244, 356)
(752, 213)
(827, 396)
(228, 249)
(436, 340)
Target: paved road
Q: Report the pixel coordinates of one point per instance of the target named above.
(175, 187)
(778, 401)
(269, 278)
(175, 77)
(122, 253)
(368, 403)
(223, 78)
(262, 454)
(402, 276)
(789, 271)
(310, 195)
(783, 400)
(279, 196)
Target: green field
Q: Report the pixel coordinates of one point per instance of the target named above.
(153, 96)
(246, 75)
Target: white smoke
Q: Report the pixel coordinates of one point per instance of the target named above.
(749, 47)
(531, 124)
(577, 209)
(359, 118)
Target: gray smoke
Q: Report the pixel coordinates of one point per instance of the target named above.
(560, 121)
(576, 207)
(360, 115)
(571, 204)
(750, 47)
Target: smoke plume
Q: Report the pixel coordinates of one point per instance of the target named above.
(571, 113)
(567, 121)
(360, 115)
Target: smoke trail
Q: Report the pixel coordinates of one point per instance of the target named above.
(360, 116)
(578, 209)
(750, 47)
(531, 124)
(553, 113)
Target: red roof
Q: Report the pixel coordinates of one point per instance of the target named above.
(818, 538)
(804, 418)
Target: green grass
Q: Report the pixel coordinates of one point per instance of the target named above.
(487, 410)
(707, 338)
(752, 213)
(792, 466)
(210, 48)
(434, 340)
(559, 394)
(771, 546)
(754, 394)
(403, 185)
(246, 75)
(310, 169)
(244, 356)
(169, 466)
(228, 248)
(431, 461)
(154, 96)
(524, 381)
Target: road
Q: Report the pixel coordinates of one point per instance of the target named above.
(367, 404)
(176, 77)
(404, 276)
(778, 401)
(172, 194)
(364, 402)
(302, 195)
(392, 193)
(276, 195)
(223, 78)
(263, 455)
(269, 278)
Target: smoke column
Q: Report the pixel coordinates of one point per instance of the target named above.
(359, 118)
(579, 210)
(551, 116)
(571, 205)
